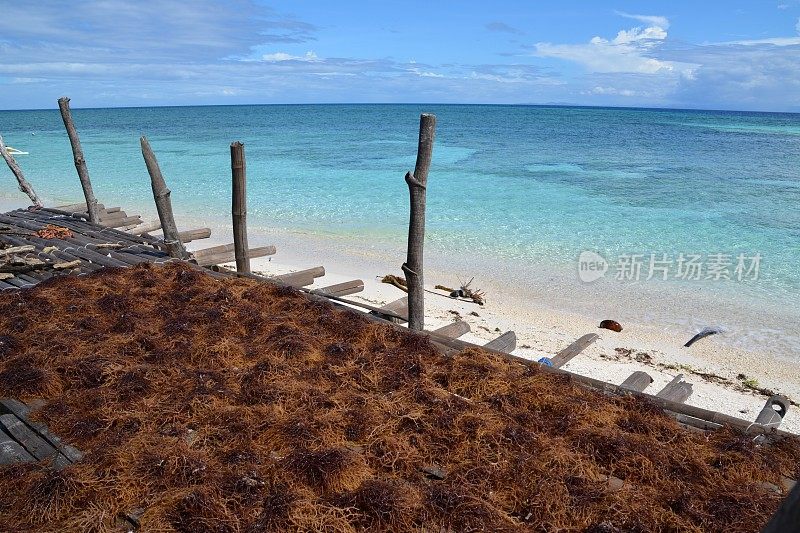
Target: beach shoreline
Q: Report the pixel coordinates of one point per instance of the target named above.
(725, 378)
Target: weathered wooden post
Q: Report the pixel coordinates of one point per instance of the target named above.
(417, 185)
(239, 207)
(80, 162)
(163, 204)
(24, 186)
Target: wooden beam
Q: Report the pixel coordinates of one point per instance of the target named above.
(194, 234)
(568, 353)
(397, 308)
(229, 256)
(213, 250)
(24, 186)
(506, 342)
(239, 206)
(341, 289)
(121, 222)
(676, 390)
(146, 228)
(417, 185)
(163, 204)
(302, 278)
(638, 381)
(453, 330)
(80, 162)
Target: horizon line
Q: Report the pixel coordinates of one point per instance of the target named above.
(545, 105)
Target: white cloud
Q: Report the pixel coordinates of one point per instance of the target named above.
(309, 56)
(627, 52)
(652, 20)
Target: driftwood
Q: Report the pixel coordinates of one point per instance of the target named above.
(239, 206)
(397, 281)
(80, 162)
(417, 185)
(161, 194)
(24, 186)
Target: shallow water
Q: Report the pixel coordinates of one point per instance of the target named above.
(531, 187)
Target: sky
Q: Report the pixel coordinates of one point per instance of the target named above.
(732, 54)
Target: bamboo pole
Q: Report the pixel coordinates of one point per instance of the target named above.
(417, 185)
(80, 162)
(239, 206)
(24, 186)
(163, 204)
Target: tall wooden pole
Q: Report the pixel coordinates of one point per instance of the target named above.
(163, 204)
(80, 162)
(24, 186)
(239, 207)
(417, 185)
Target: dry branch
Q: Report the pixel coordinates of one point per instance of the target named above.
(24, 186)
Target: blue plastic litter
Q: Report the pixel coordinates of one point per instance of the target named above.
(545, 361)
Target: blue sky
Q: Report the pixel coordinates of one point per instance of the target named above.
(104, 53)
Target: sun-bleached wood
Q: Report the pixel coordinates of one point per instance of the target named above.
(417, 185)
(161, 193)
(80, 162)
(24, 186)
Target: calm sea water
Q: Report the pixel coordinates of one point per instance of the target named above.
(526, 185)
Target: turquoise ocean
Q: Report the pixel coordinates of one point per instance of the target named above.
(522, 185)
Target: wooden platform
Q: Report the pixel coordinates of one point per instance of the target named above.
(85, 248)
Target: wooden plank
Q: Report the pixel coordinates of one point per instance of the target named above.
(214, 250)
(21, 411)
(676, 390)
(11, 452)
(341, 289)
(398, 307)
(227, 257)
(637, 381)
(33, 443)
(194, 234)
(120, 222)
(568, 353)
(453, 330)
(147, 227)
(504, 343)
(296, 279)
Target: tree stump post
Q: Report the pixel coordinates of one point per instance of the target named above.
(80, 162)
(24, 186)
(161, 195)
(417, 185)
(239, 207)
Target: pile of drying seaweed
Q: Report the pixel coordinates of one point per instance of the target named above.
(237, 406)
